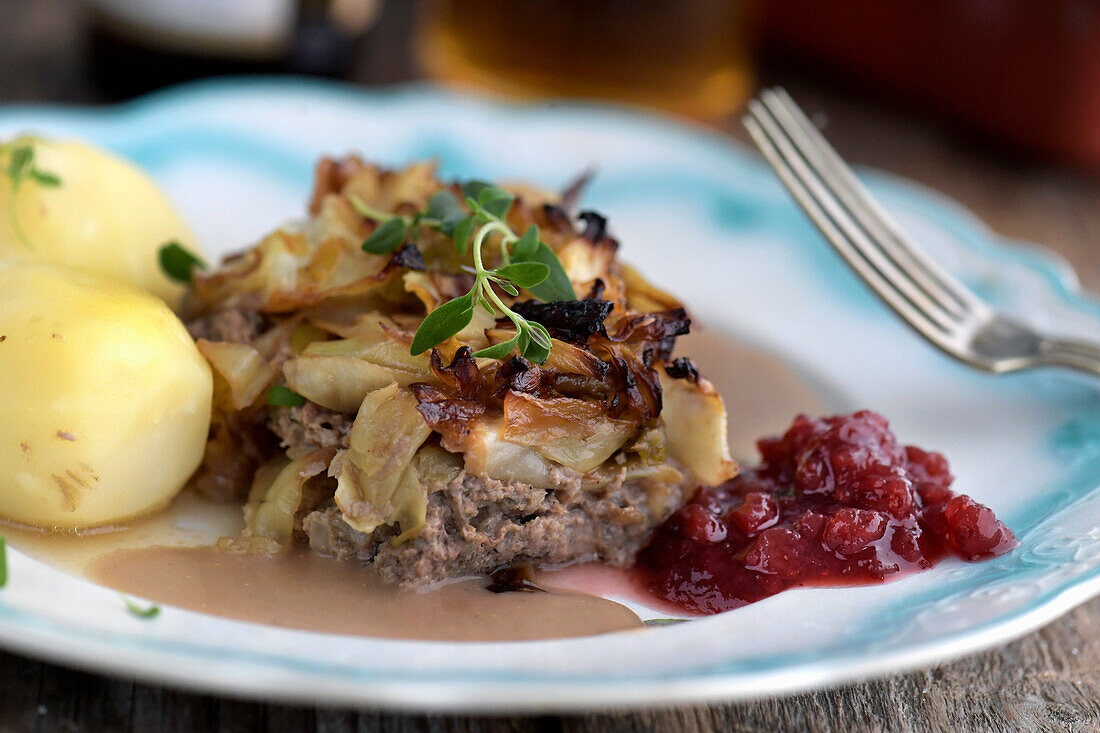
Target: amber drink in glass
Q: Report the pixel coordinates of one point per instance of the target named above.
(690, 57)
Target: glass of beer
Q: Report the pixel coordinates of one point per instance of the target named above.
(689, 57)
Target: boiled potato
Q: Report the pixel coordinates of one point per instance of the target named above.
(98, 212)
(105, 401)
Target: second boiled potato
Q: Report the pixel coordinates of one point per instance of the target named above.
(106, 399)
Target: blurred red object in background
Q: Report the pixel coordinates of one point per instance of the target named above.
(1024, 71)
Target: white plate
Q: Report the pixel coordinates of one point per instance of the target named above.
(712, 224)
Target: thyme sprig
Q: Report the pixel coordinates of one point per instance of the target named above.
(177, 262)
(282, 396)
(139, 611)
(21, 167)
(526, 263)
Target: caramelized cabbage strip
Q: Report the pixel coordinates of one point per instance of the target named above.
(241, 373)
(375, 486)
(274, 501)
(695, 420)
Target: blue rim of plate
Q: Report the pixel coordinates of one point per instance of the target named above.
(22, 631)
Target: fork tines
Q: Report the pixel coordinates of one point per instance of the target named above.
(921, 292)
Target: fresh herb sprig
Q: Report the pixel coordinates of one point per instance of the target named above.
(282, 396)
(146, 612)
(526, 263)
(20, 169)
(178, 263)
(3, 563)
(443, 214)
(655, 622)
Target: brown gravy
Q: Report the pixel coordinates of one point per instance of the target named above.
(761, 391)
(168, 558)
(302, 590)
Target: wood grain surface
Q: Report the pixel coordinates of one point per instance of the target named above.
(1048, 680)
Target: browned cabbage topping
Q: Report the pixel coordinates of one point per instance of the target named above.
(306, 309)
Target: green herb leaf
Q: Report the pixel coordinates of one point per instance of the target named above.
(473, 189)
(538, 349)
(21, 168)
(495, 200)
(655, 622)
(178, 263)
(462, 231)
(508, 287)
(501, 350)
(443, 322)
(282, 396)
(3, 563)
(20, 162)
(539, 334)
(557, 285)
(523, 274)
(445, 208)
(387, 237)
(525, 246)
(49, 180)
(480, 214)
(492, 199)
(149, 612)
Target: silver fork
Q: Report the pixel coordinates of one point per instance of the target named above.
(933, 302)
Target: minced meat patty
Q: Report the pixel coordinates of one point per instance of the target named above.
(336, 324)
(475, 525)
(235, 325)
(310, 426)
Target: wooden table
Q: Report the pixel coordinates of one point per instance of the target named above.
(1049, 680)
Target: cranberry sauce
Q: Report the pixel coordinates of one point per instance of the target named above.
(836, 501)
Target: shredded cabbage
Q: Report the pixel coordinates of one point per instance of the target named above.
(574, 433)
(374, 484)
(695, 424)
(241, 373)
(274, 501)
(338, 382)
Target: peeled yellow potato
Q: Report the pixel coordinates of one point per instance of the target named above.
(103, 214)
(104, 398)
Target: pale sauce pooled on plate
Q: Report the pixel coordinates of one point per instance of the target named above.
(761, 391)
(169, 558)
(303, 590)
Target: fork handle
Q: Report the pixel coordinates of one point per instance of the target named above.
(1080, 355)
